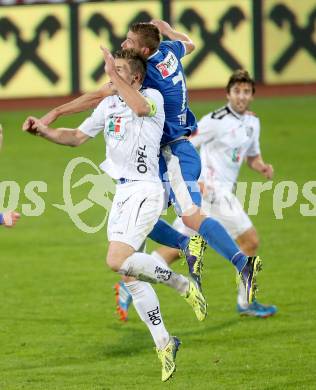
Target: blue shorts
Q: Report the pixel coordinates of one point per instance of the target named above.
(180, 169)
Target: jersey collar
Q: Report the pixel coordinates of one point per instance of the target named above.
(238, 116)
(153, 55)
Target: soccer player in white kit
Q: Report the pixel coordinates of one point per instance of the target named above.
(132, 120)
(226, 138)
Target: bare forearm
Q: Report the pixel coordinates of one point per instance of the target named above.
(82, 103)
(134, 99)
(61, 136)
(257, 164)
(174, 35)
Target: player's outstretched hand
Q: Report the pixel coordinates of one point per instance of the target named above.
(268, 171)
(33, 125)
(162, 26)
(28, 125)
(10, 218)
(109, 61)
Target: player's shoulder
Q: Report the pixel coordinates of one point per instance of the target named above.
(151, 92)
(154, 95)
(170, 45)
(252, 118)
(172, 50)
(106, 103)
(220, 113)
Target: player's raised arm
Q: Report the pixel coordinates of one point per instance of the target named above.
(62, 136)
(82, 103)
(128, 87)
(169, 32)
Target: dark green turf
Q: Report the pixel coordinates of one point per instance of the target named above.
(57, 323)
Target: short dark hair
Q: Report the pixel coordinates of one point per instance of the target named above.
(240, 76)
(148, 33)
(135, 61)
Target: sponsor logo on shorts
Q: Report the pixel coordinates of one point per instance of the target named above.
(121, 204)
(154, 316)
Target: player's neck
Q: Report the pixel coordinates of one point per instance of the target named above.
(236, 113)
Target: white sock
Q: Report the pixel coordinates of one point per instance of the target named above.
(147, 306)
(242, 296)
(148, 269)
(158, 256)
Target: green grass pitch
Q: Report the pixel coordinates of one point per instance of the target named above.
(57, 324)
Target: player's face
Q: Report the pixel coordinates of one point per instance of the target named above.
(123, 69)
(240, 96)
(132, 42)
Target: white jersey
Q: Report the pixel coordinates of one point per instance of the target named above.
(226, 138)
(132, 142)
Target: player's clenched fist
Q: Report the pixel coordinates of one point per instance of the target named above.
(163, 27)
(33, 125)
(268, 171)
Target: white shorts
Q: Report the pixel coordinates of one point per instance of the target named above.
(226, 209)
(136, 208)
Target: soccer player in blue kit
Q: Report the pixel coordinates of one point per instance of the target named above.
(180, 164)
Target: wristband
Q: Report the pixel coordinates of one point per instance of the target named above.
(1, 219)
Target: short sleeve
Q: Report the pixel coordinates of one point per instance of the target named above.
(206, 131)
(94, 124)
(155, 97)
(254, 147)
(177, 47)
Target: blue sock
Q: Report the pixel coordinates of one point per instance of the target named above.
(217, 237)
(165, 234)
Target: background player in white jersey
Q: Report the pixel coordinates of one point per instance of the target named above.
(227, 137)
(132, 121)
(180, 164)
(9, 218)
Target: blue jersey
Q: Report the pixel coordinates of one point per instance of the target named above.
(165, 73)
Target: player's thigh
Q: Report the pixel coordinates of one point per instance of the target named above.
(183, 167)
(135, 210)
(227, 210)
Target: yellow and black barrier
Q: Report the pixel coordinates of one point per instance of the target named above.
(53, 50)
(35, 51)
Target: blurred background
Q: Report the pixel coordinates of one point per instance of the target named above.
(50, 49)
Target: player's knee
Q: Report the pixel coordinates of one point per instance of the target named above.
(249, 244)
(254, 243)
(113, 263)
(191, 222)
